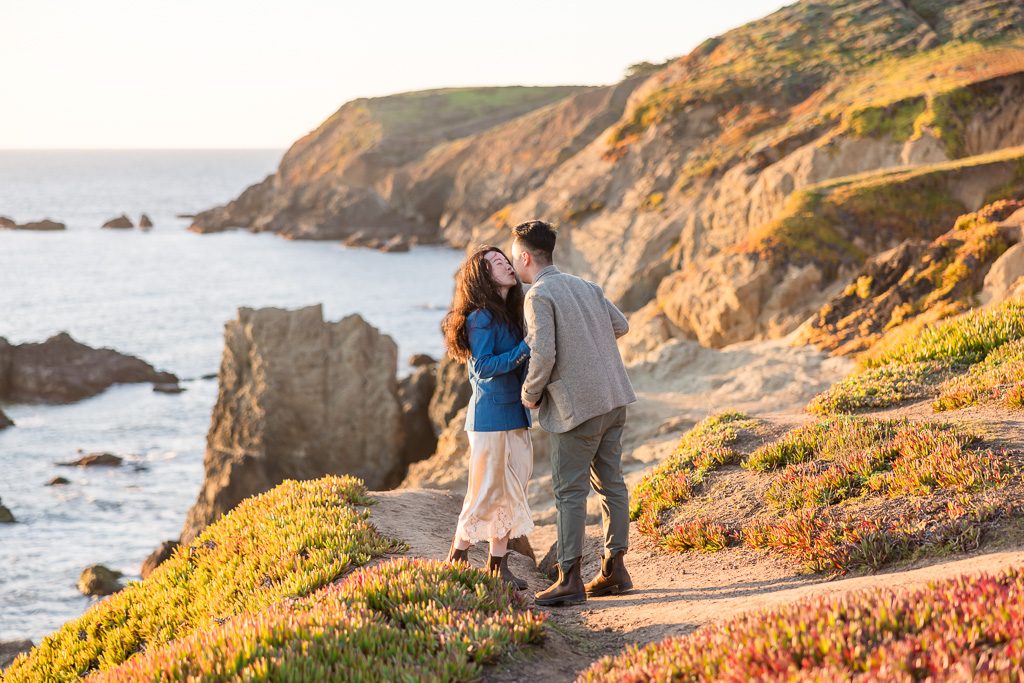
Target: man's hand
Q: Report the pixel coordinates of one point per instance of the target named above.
(529, 405)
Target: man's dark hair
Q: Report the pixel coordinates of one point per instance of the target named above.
(538, 238)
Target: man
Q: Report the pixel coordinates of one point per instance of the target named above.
(577, 378)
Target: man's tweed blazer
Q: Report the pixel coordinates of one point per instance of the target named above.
(575, 366)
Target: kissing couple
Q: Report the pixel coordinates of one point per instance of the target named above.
(552, 348)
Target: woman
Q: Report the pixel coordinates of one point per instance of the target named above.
(484, 329)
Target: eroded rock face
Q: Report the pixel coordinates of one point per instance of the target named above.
(415, 393)
(299, 398)
(62, 370)
(158, 557)
(452, 394)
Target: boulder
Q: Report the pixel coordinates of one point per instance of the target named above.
(10, 649)
(95, 460)
(58, 481)
(62, 370)
(98, 580)
(421, 359)
(121, 222)
(446, 469)
(5, 421)
(6, 517)
(299, 398)
(415, 393)
(452, 394)
(145, 222)
(41, 225)
(158, 557)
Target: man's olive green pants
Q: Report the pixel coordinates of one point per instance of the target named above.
(590, 455)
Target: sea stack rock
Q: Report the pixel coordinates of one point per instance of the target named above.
(299, 398)
(121, 222)
(62, 370)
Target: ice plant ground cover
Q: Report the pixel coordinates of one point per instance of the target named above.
(284, 543)
(975, 358)
(842, 493)
(967, 628)
(403, 620)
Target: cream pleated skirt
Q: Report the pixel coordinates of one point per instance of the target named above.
(500, 465)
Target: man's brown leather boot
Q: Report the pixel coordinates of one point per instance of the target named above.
(568, 590)
(499, 565)
(456, 555)
(613, 577)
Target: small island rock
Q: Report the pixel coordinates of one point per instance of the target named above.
(121, 222)
(94, 460)
(5, 421)
(5, 515)
(145, 222)
(98, 580)
(41, 225)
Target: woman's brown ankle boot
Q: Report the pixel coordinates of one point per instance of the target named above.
(456, 555)
(499, 565)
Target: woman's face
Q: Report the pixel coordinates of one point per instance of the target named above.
(502, 272)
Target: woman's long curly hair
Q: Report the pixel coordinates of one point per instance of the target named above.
(475, 290)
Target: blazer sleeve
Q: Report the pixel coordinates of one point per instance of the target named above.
(482, 338)
(540, 321)
(619, 323)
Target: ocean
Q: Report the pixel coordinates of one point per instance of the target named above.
(162, 295)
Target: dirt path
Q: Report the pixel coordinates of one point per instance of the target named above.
(674, 594)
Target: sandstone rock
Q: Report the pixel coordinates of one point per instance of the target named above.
(61, 370)
(398, 243)
(415, 393)
(5, 421)
(6, 516)
(145, 222)
(158, 557)
(95, 460)
(98, 580)
(10, 649)
(41, 225)
(58, 481)
(420, 360)
(121, 222)
(446, 469)
(1003, 277)
(452, 394)
(299, 398)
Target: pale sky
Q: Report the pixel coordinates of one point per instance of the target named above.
(256, 74)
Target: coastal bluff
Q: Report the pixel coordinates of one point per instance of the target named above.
(299, 398)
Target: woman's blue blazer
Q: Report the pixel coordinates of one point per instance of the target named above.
(497, 368)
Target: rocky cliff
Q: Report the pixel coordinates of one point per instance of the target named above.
(299, 398)
(737, 188)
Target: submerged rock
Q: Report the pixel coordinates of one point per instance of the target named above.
(121, 222)
(58, 481)
(63, 370)
(299, 398)
(95, 460)
(98, 580)
(40, 225)
(168, 388)
(6, 517)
